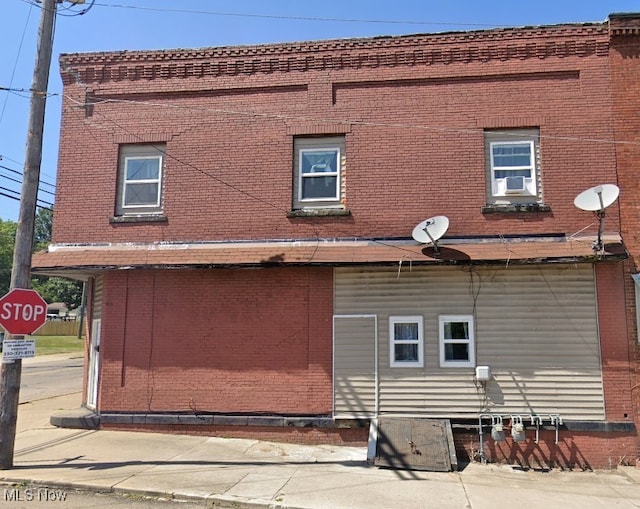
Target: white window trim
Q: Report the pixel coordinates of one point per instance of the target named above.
(392, 342)
(442, 320)
(336, 174)
(498, 185)
(157, 181)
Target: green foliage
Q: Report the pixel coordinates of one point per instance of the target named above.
(58, 289)
(42, 229)
(52, 289)
(7, 242)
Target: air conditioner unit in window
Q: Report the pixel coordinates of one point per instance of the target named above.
(514, 184)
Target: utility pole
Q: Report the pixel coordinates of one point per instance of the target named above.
(21, 272)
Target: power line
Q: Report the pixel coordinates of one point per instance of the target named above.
(2, 156)
(302, 18)
(6, 177)
(29, 91)
(16, 196)
(20, 173)
(15, 65)
(345, 121)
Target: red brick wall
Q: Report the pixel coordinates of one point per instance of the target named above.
(217, 341)
(614, 343)
(414, 144)
(625, 70)
(574, 450)
(335, 436)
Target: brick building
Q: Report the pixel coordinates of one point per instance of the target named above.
(244, 217)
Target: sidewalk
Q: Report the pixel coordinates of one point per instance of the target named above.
(249, 473)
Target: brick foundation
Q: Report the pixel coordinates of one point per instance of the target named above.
(574, 450)
(295, 435)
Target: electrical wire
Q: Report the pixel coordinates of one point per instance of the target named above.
(16, 196)
(21, 174)
(301, 18)
(6, 177)
(345, 121)
(15, 65)
(2, 156)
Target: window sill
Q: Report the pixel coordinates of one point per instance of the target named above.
(318, 213)
(141, 218)
(515, 207)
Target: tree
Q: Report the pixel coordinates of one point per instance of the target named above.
(58, 289)
(42, 229)
(52, 289)
(7, 241)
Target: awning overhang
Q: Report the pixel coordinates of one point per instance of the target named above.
(81, 261)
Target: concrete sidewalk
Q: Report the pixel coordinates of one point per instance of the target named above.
(248, 473)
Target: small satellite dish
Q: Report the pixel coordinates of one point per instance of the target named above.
(597, 199)
(430, 230)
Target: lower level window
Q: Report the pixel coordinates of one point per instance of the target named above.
(457, 341)
(406, 341)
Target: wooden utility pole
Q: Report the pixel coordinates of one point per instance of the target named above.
(21, 272)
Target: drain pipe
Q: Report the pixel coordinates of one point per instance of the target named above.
(483, 458)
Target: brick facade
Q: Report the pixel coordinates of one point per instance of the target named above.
(230, 341)
(625, 69)
(413, 111)
(414, 134)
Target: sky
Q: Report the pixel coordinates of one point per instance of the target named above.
(113, 25)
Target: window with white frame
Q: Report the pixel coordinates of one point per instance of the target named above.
(140, 181)
(457, 341)
(406, 341)
(318, 169)
(513, 165)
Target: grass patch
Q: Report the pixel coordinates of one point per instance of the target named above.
(47, 345)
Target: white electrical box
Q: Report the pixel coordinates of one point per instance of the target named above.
(483, 373)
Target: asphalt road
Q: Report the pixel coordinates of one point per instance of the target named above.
(49, 376)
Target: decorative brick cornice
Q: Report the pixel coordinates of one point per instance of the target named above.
(392, 51)
(624, 24)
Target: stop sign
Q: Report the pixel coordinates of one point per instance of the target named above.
(22, 311)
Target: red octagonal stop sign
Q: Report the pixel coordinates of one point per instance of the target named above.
(22, 311)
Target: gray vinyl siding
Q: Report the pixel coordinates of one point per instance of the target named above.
(354, 368)
(536, 327)
(96, 304)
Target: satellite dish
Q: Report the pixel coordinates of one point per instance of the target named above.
(597, 199)
(430, 230)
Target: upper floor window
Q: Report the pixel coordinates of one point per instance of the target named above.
(140, 179)
(457, 341)
(513, 174)
(318, 170)
(406, 341)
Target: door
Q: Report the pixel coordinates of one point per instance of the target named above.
(355, 379)
(94, 364)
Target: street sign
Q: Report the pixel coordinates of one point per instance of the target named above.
(22, 311)
(18, 349)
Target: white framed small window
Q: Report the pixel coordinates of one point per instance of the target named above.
(319, 172)
(140, 182)
(406, 342)
(457, 341)
(513, 166)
